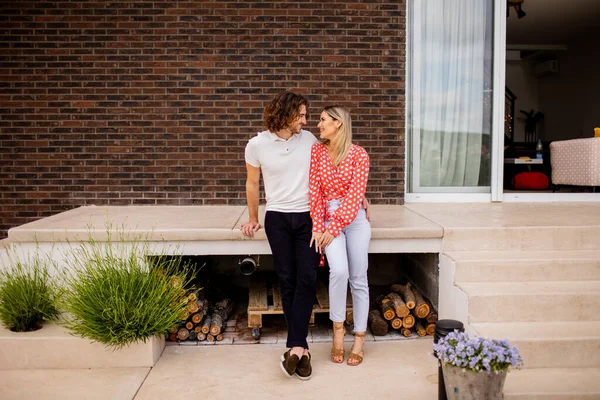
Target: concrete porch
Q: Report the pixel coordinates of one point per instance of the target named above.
(495, 259)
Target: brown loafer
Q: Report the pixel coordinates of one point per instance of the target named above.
(289, 363)
(304, 369)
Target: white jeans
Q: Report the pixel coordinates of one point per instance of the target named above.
(348, 258)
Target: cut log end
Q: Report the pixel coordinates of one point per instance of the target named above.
(206, 325)
(192, 307)
(432, 318)
(196, 318)
(423, 310)
(387, 310)
(408, 321)
(184, 314)
(407, 295)
(217, 324)
(430, 329)
(183, 334)
(420, 329)
(399, 306)
(396, 323)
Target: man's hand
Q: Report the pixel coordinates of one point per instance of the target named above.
(249, 229)
(325, 240)
(316, 237)
(367, 208)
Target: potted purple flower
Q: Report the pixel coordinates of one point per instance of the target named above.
(475, 368)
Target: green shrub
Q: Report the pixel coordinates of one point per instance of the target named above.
(116, 294)
(28, 296)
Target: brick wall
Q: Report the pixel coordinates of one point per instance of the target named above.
(152, 102)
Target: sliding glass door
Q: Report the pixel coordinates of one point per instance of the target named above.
(449, 88)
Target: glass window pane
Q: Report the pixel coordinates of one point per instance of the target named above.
(449, 95)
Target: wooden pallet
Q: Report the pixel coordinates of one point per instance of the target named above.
(265, 298)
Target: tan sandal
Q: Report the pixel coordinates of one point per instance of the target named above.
(337, 353)
(356, 358)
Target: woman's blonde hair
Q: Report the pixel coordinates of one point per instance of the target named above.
(340, 145)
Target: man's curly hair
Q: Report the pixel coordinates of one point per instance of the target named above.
(283, 110)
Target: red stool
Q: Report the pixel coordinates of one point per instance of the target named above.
(530, 180)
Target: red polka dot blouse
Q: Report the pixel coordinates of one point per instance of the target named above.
(347, 182)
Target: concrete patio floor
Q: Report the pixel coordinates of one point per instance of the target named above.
(404, 369)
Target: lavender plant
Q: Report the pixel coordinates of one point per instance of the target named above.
(477, 354)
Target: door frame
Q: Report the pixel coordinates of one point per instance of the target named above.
(499, 83)
(497, 152)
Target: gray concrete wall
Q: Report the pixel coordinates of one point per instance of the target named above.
(422, 271)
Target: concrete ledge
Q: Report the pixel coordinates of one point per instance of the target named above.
(219, 226)
(5, 246)
(170, 223)
(54, 347)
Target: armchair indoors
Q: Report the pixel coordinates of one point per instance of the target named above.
(576, 162)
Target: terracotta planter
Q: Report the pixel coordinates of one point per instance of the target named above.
(469, 385)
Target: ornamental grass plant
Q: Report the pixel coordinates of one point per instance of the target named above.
(477, 354)
(28, 295)
(118, 293)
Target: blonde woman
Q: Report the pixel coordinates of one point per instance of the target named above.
(339, 171)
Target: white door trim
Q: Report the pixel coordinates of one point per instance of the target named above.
(413, 143)
(447, 197)
(516, 197)
(499, 84)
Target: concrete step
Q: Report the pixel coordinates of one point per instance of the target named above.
(522, 238)
(532, 301)
(553, 384)
(549, 344)
(516, 266)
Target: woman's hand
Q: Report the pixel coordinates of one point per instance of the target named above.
(326, 239)
(316, 237)
(366, 206)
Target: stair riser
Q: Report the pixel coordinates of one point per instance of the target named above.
(537, 308)
(522, 239)
(573, 353)
(550, 396)
(527, 270)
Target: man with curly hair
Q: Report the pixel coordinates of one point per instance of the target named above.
(282, 154)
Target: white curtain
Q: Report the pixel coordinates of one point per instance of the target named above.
(448, 44)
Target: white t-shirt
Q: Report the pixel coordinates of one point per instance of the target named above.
(285, 166)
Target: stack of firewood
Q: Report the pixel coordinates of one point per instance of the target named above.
(201, 321)
(404, 309)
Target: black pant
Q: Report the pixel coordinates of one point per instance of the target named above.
(296, 265)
